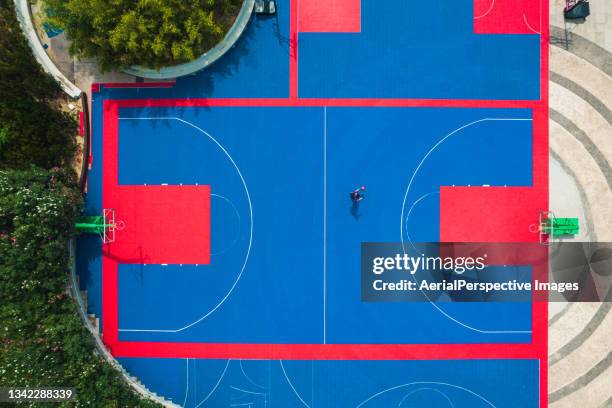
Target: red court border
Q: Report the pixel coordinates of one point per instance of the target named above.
(537, 349)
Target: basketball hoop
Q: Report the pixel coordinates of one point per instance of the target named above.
(545, 227)
(110, 225)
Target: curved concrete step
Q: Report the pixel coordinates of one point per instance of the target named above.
(580, 345)
(570, 325)
(589, 176)
(587, 119)
(591, 78)
(595, 348)
(592, 390)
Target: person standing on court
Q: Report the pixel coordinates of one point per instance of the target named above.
(357, 194)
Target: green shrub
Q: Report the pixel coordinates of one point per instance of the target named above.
(32, 131)
(151, 33)
(42, 339)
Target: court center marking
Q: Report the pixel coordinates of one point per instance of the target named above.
(428, 383)
(442, 140)
(291, 384)
(246, 258)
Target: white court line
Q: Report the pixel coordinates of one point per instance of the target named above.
(421, 198)
(404, 206)
(247, 391)
(486, 12)
(524, 16)
(186, 384)
(527, 24)
(437, 391)
(214, 388)
(427, 383)
(291, 384)
(239, 224)
(325, 225)
(250, 227)
(249, 378)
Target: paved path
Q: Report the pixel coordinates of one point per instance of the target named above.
(580, 344)
(597, 28)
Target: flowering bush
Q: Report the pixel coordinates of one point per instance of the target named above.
(42, 339)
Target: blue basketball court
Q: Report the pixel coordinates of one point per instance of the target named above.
(280, 130)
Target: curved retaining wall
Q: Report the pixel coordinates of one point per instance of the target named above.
(24, 16)
(243, 18)
(100, 347)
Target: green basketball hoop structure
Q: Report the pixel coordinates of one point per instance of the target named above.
(551, 227)
(104, 225)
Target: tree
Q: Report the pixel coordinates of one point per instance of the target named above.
(32, 130)
(43, 342)
(150, 33)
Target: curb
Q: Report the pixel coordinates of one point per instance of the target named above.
(22, 9)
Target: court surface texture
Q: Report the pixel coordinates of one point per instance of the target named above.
(236, 281)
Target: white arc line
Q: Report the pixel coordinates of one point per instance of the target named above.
(427, 383)
(291, 385)
(404, 205)
(250, 227)
(186, 384)
(527, 24)
(486, 12)
(435, 390)
(214, 388)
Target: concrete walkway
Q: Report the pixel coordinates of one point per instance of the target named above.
(580, 345)
(597, 28)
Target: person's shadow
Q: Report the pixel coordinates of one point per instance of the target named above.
(355, 209)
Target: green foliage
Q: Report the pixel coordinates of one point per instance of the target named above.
(151, 33)
(42, 340)
(32, 131)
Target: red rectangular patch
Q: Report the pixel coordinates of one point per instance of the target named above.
(507, 16)
(332, 16)
(163, 224)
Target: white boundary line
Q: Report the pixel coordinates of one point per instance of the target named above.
(250, 227)
(442, 140)
(325, 225)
